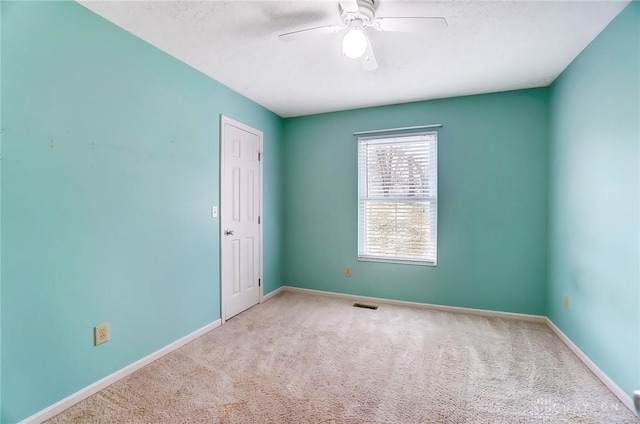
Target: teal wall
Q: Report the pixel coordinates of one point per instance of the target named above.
(110, 165)
(594, 251)
(492, 225)
(0, 211)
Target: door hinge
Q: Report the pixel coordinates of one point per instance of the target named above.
(259, 157)
(258, 219)
(259, 282)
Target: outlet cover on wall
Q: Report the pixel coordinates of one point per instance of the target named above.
(347, 271)
(100, 334)
(565, 301)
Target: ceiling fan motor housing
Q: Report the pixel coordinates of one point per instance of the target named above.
(366, 13)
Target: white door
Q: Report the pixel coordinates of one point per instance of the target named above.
(241, 193)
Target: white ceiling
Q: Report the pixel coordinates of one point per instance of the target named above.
(489, 46)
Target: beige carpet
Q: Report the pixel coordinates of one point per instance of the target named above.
(311, 359)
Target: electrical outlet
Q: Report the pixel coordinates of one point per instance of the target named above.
(347, 271)
(565, 301)
(100, 334)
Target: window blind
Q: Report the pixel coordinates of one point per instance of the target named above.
(397, 191)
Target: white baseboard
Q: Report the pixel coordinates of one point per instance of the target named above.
(611, 385)
(82, 394)
(272, 294)
(444, 308)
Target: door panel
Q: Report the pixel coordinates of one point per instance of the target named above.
(240, 209)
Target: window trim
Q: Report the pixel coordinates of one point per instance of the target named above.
(434, 198)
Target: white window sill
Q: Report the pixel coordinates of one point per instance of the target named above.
(395, 261)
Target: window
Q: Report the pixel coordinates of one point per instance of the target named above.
(398, 206)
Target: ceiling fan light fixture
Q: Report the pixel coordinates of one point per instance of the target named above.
(354, 43)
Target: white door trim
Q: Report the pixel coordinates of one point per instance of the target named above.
(226, 120)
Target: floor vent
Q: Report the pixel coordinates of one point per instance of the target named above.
(362, 305)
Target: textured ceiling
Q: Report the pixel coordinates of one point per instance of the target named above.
(488, 47)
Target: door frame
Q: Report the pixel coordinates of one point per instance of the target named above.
(227, 120)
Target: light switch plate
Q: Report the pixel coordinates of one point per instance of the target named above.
(214, 211)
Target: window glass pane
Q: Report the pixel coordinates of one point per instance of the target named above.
(398, 206)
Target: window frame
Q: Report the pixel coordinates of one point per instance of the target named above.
(433, 175)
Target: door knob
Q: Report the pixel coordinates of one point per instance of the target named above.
(228, 232)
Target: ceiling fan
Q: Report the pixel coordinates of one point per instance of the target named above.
(358, 17)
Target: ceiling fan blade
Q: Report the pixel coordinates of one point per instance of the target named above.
(410, 24)
(368, 59)
(311, 32)
(349, 5)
